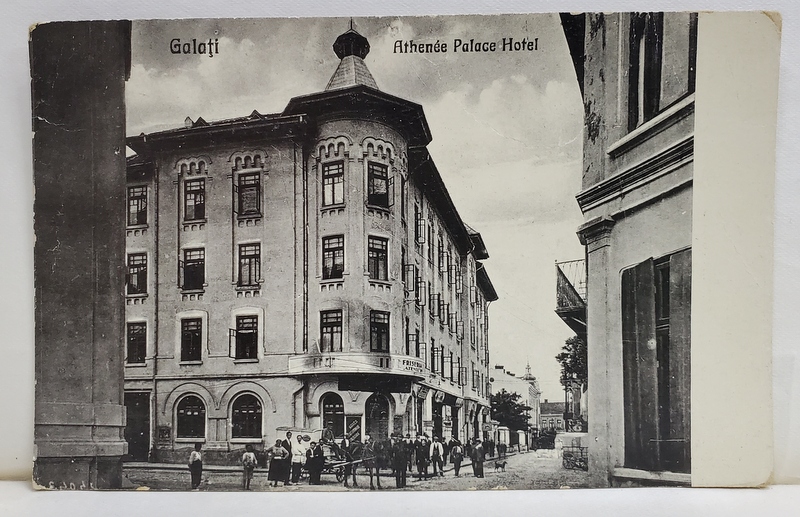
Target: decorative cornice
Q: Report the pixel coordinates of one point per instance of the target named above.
(660, 163)
(652, 127)
(595, 232)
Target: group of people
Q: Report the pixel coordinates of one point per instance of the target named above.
(288, 457)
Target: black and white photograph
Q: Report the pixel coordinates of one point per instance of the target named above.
(357, 254)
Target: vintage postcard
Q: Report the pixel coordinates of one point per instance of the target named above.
(407, 253)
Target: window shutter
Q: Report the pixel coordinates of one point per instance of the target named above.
(390, 192)
(639, 366)
(460, 330)
(232, 343)
(180, 273)
(410, 277)
(680, 294)
(235, 197)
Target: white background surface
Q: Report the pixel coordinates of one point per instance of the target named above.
(16, 294)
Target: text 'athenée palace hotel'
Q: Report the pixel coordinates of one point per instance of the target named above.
(292, 269)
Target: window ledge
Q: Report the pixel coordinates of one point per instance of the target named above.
(336, 206)
(195, 221)
(190, 440)
(655, 125)
(254, 287)
(246, 440)
(193, 291)
(379, 208)
(137, 226)
(244, 217)
(136, 295)
(190, 363)
(136, 365)
(381, 282)
(646, 475)
(245, 361)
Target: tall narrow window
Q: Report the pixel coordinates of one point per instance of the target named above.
(430, 238)
(379, 331)
(378, 258)
(246, 417)
(191, 418)
(419, 225)
(333, 257)
(377, 185)
(645, 68)
(137, 206)
(194, 269)
(403, 199)
(249, 264)
(333, 184)
(195, 199)
(331, 331)
(246, 337)
(249, 197)
(137, 273)
(137, 342)
(191, 339)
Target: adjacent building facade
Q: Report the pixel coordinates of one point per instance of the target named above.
(299, 268)
(636, 72)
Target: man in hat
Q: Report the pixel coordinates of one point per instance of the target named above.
(437, 455)
(399, 460)
(478, 456)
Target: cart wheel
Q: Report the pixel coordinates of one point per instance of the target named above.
(568, 462)
(340, 474)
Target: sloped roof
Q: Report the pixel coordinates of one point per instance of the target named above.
(351, 71)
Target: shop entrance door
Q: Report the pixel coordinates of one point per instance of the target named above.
(377, 417)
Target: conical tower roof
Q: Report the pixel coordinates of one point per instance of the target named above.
(351, 47)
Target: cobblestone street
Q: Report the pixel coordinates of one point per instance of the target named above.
(532, 470)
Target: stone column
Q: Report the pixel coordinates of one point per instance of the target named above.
(79, 71)
(595, 234)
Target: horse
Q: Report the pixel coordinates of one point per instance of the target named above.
(376, 457)
(353, 455)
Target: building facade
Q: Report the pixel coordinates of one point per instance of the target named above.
(551, 417)
(636, 73)
(294, 269)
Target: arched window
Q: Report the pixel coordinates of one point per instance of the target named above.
(246, 417)
(333, 411)
(191, 418)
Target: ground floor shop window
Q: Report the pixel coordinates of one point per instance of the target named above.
(191, 418)
(377, 416)
(656, 333)
(246, 417)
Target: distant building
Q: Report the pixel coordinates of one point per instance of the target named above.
(527, 387)
(299, 268)
(551, 416)
(636, 73)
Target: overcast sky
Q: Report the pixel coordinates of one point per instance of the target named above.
(507, 133)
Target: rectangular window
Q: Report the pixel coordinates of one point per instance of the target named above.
(194, 269)
(656, 331)
(332, 257)
(379, 331)
(440, 255)
(403, 200)
(378, 258)
(377, 185)
(409, 338)
(194, 200)
(419, 225)
(191, 339)
(137, 342)
(333, 184)
(137, 206)
(430, 239)
(137, 273)
(331, 331)
(249, 265)
(434, 356)
(249, 195)
(246, 337)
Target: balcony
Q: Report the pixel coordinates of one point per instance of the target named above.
(571, 294)
(409, 367)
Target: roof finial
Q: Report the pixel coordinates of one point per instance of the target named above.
(351, 23)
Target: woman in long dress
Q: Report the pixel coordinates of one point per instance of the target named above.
(279, 463)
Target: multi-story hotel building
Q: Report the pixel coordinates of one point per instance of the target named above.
(293, 269)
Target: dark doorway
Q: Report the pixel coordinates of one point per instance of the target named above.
(437, 410)
(137, 425)
(377, 417)
(454, 412)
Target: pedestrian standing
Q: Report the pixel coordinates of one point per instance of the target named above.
(478, 457)
(409, 445)
(248, 465)
(456, 455)
(196, 466)
(277, 464)
(298, 458)
(287, 467)
(399, 461)
(437, 453)
(423, 457)
(314, 463)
